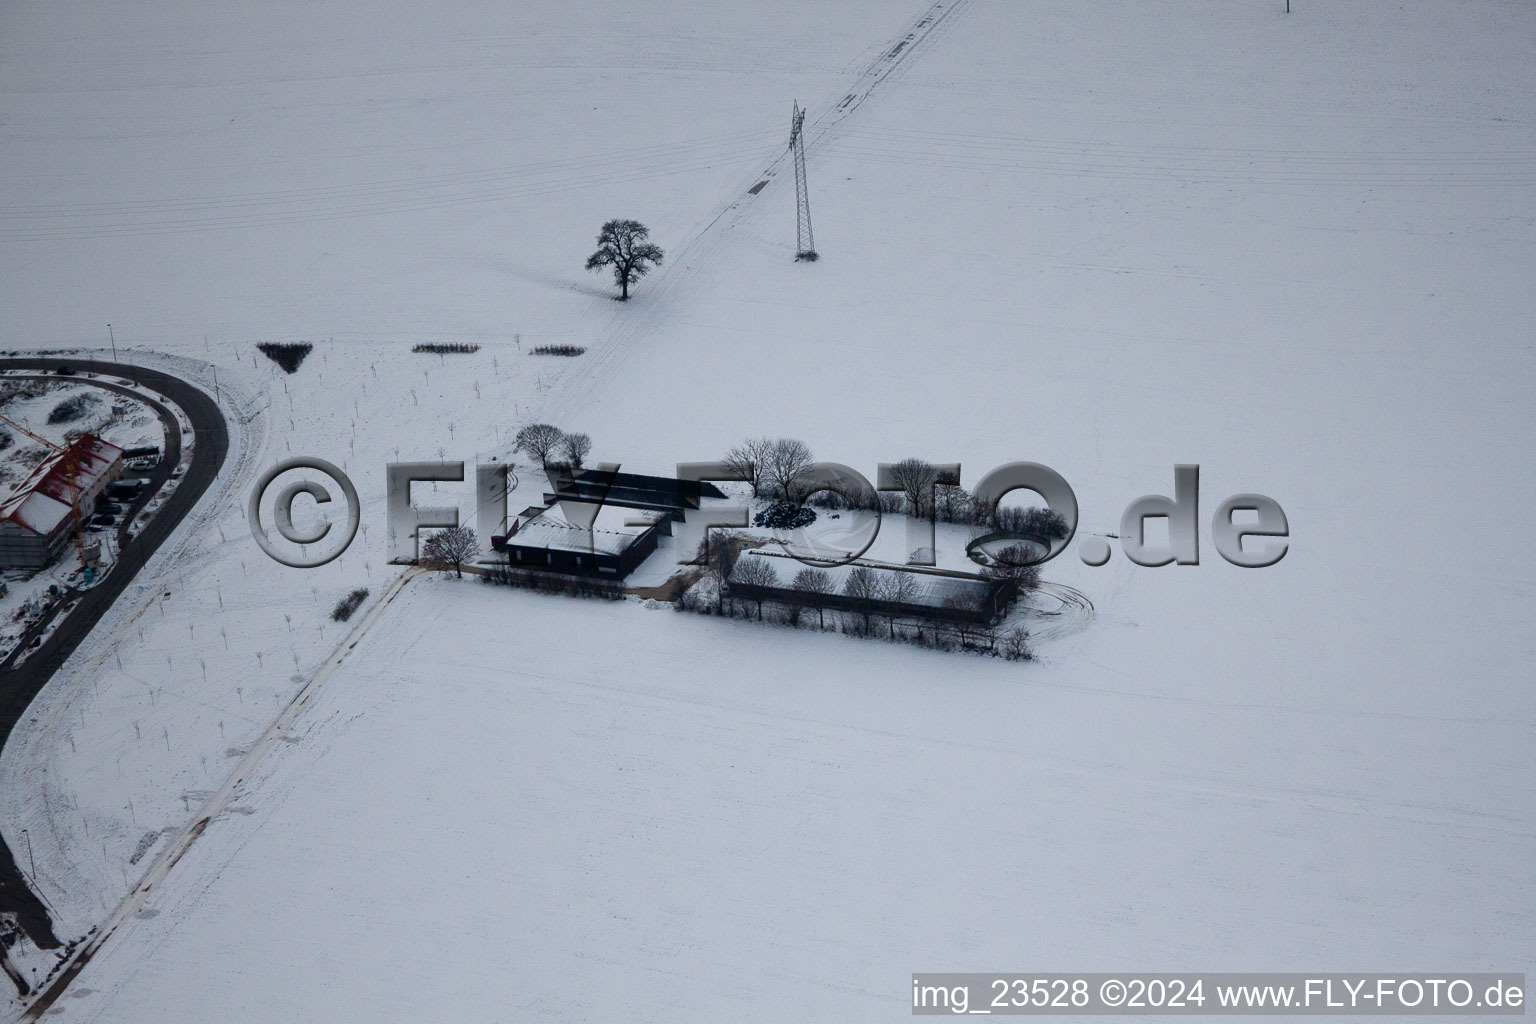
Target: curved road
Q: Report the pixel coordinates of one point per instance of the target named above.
(20, 684)
(169, 460)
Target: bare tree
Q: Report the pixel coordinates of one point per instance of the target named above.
(1016, 562)
(538, 440)
(719, 549)
(748, 459)
(952, 503)
(1015, 644)
(450, 548)
(898, 588)
(785, 460)
(622, 245)
(863, 587)
(574, 448)
(1042, 525)
(1016, 566)
(916, 479)
(756, 572)
(816, 585)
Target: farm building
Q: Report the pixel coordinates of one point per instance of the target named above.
(667, 496)
(612, 546)
(38, 517)
(934, 596)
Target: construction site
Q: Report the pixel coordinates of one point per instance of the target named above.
(71, 492)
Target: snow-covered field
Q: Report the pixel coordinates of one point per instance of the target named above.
(697, 819)
(1109, 238)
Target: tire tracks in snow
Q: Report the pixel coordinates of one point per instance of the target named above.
(668, 289)
(216, 804)
(603, 373)
(1073, 616)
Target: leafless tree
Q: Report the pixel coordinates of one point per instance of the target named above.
(450, 548)
(1015, 644)
(973, 605)
(898, 588)
(538, 441)
(1043, 525)
(622, 245)
(1015, 565)
(816, 585)
(719, 549)
(574, 448)
(786, 459)
(916, 479)
(756, 572)
(863, 587)
(952, 503)
(748, 459)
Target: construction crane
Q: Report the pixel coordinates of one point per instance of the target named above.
(39, 439)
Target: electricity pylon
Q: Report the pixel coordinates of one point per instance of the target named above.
(805, 245)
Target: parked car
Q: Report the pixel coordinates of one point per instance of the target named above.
(127, 488)
(105, 519)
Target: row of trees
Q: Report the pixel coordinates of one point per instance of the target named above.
(771, 465)
(503, 573)
(776, 467)
(867, 587)
(871, 594)
(548, 445)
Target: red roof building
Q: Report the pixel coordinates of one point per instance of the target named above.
(39, 514)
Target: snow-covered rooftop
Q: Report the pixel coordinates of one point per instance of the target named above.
(44, 499)
(930, 590)
(611, 532)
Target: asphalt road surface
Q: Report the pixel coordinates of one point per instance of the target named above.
(20, 684)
